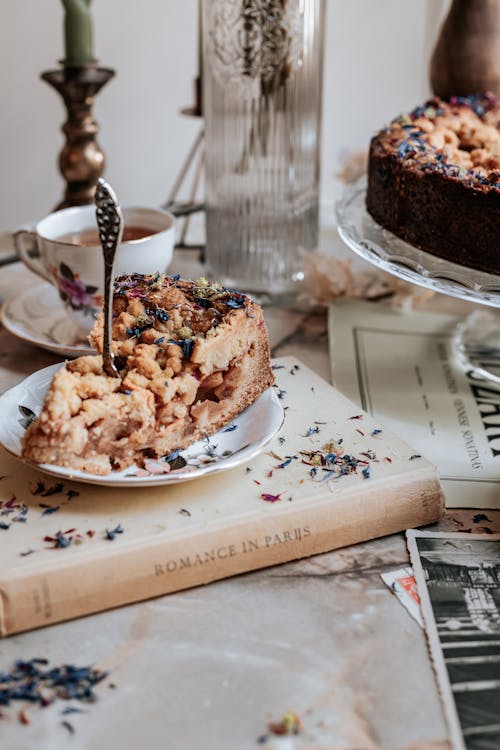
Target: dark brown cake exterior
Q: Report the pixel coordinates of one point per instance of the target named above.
(434, 179)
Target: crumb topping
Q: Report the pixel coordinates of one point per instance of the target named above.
(459, 139)
(167, 311)
(164, 325)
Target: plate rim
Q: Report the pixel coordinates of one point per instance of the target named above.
(225, 464)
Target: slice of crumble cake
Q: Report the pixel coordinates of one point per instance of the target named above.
(191, 356)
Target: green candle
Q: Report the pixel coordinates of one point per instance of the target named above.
(78, 34)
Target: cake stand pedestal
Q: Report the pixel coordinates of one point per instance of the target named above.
(477, 338)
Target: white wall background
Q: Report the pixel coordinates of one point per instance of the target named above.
(376, 66)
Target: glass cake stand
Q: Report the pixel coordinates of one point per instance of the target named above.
(477, 338)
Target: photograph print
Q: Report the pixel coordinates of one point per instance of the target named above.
(458, 577)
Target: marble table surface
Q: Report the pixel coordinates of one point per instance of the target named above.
(210, 667)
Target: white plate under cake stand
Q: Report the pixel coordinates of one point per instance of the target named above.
(36, 315)
(477, 338)
(236, 444)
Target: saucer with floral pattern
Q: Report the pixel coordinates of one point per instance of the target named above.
(37, 316)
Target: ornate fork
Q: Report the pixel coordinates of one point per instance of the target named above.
(110, 223)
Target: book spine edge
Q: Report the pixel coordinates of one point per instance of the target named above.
(39, 598)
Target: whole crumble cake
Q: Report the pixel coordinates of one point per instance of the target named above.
(190, 355)
(434, 179)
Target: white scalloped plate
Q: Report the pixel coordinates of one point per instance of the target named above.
(230, 447)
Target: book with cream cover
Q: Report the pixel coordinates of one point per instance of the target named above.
(332, 477)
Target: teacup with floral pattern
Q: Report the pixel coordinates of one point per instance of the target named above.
(77, 271)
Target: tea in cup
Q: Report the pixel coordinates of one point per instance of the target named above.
(70, 254)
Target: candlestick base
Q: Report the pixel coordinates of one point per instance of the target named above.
(81, 160)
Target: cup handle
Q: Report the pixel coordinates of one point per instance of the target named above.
(23, 248)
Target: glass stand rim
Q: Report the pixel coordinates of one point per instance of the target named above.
(476, 343)
(476, 338)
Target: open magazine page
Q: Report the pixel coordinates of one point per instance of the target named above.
(401, 368)
(458, 579)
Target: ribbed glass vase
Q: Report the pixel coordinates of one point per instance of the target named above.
(262, 87)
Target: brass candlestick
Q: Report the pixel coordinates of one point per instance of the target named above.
(81, 160)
